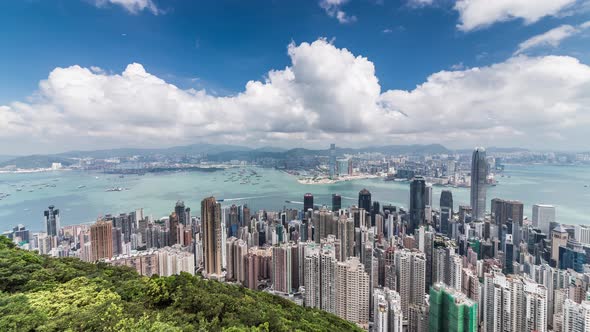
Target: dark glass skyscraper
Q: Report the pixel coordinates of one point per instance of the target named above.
(307, 202)
(446, 210)
(417, 204)
(479, 174)
(375, 210)
(181, 213)
(365, 200)
(52, 221)
(336, 202)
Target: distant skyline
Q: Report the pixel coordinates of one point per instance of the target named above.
(96, 74)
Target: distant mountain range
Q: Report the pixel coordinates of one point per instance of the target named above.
(214, 152)
(494, 149)
(5, 158)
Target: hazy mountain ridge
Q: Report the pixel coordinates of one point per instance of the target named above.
(214, 152)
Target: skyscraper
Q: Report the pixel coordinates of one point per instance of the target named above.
(52, 221)
(319, 277)
(451, 310)
(513, 303)
(336, 202)
(417, 204)
(282, 268)
(174, 236)
(180, 211)
(346, 237)
(387, 311)
(543, 216)
(576, 317)
(582, 234)
(479, 174)
(428, 195)
(503, 210)
(307, 202)
(559, 238)
(352, 292)
(411, 277)
(212, 238)
(101, 239)
(332, 161)
(365, 200)
(446, 210)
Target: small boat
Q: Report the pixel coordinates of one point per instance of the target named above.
(81, 186)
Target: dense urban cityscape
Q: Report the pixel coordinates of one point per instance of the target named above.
(384, 268)
(294, 166)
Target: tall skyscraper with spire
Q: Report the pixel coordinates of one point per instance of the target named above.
(479, 174)
(332, 162)
(212, 237)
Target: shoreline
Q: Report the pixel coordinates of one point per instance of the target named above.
(322, 180)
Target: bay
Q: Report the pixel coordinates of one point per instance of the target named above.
(82, 197)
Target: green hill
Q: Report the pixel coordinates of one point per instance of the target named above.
(39, 293)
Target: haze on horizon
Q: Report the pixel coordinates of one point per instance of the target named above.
(99, 74)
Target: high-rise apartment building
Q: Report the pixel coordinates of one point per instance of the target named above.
(513, 303)
(320, 277)
(282, 268)
(451, 310)
(346, 237)
(101, 239)
(576, 316)
(479, 174)
(387, 311)
(352, 292)
(174, 226)
(212, 238)
(411, 277)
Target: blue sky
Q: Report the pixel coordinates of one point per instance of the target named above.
(221, 45)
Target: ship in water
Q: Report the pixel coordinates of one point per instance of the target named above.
(116, 189)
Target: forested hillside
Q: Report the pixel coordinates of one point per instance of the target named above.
(39, 293)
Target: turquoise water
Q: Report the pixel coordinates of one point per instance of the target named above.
(562, 186)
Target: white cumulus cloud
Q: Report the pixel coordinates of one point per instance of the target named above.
(420, 3)
(132, 6)
(474, 14)
(552, 37)
(326, 94)
(334, 9)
